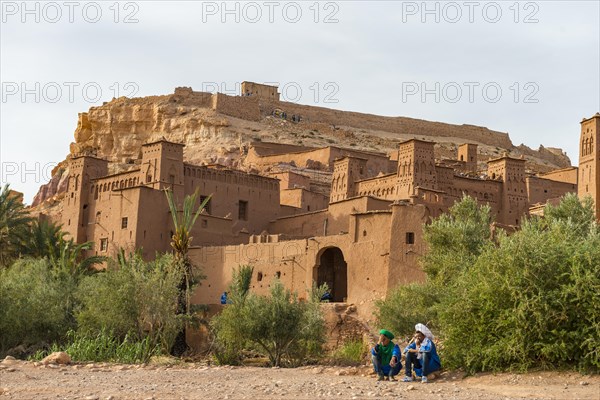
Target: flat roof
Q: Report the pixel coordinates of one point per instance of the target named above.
(117, 174)
(505, 157)
(88, 156)
(417, 140)
(227, 169)
(597, 115)
(377, 177)
(163, 140)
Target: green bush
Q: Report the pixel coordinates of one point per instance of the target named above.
(532, 301)
(134, 299)
(230, 340)
(350, 353)
(455, 240)
(528, 300)
(287, 330)
(105, 347)
(407, 305)
(34, 304)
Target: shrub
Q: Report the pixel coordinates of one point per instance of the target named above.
(105, 347)
(350, 353)
(136, 299)
(455, 240)
(407, 305)
(527, 300)
(228, 333)
(531, 301)
(34, 305)
(287, 330)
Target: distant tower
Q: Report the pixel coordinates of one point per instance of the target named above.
(346, 171)
(416, 167)
(589, 161)
(162, 166)
(75, 216)
(514, 199)
(467, 152)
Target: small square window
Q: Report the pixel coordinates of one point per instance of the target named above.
(410, 238)
(124, 223)
(103, 244)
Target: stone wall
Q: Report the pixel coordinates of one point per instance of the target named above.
(376, 259)
(291, 180)
(321, 158)
(567, 175)
(332, 221)
(384, 187)
(229, 188)
(540, 190)
(400, 125)
(304, 200)
(236, 106)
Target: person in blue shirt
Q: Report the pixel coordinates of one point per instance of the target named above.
(224, 298)
(421, 355)
(386, 356)
(327, 297)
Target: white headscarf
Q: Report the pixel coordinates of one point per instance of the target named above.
(424, 330)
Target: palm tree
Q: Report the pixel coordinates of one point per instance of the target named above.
(181, 241)
(14, 221)
(44, 238)
(68, 258)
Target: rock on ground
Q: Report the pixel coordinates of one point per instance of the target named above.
(59, 357)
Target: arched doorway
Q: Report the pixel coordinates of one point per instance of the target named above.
(332, 269)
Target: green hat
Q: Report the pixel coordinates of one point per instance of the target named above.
(387, 334)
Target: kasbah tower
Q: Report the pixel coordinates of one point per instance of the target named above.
(589, 161)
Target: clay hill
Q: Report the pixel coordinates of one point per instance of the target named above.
(222, 129)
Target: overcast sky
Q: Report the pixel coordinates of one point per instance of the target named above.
(529, 68)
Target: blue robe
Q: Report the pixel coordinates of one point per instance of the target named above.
(385, 368)
(428, 347)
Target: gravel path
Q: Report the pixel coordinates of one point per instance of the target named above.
(27, 380)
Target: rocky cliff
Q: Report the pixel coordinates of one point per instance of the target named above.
(220, 129)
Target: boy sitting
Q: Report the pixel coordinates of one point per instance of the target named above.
(421, 355)
(386, 356)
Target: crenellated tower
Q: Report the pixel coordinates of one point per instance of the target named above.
(162, 166)
(589, 161)
(467, 153)
(514, 198)
(346, 171)
(75, 216)
(416, 167)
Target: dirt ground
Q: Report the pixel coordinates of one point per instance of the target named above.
(28, 380)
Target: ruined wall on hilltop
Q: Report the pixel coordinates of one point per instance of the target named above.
(235, 106)
(400, 125)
